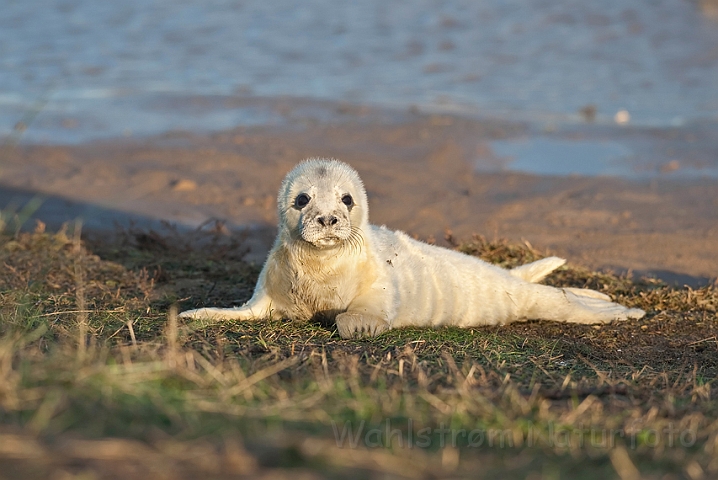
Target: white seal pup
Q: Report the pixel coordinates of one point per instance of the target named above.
(329, 263)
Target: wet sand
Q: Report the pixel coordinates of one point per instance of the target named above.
(421, 177)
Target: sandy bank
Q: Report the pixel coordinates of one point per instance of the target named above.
(421, 177)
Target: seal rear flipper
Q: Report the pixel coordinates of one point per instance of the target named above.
(593, 309)
(542, 302)
(536, 271)
(585, 292)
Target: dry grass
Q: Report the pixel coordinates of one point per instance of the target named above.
(153, 397)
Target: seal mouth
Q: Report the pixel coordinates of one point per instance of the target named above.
(327, 242)
(322, 243)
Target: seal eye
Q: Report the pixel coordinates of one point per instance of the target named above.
(301, 200)
(348, 200)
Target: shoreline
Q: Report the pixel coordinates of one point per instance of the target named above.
(422, 176)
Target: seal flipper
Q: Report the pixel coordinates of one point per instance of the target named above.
(355, 324)
(258, 307)
(536, 271)
(569, 305)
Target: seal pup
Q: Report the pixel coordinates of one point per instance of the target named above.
(328, 263)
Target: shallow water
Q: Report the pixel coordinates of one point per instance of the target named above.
(94, 70)
(564, 157)
(635, 157)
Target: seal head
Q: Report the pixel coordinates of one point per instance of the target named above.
(322, 203)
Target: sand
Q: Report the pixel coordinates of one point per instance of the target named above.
(421, 177)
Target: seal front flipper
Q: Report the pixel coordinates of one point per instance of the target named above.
(256, 309)
(355, 324)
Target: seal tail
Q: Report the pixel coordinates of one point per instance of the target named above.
(536, 271)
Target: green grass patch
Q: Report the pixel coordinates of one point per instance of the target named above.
(99, 379)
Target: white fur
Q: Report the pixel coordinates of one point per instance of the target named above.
(329, 263)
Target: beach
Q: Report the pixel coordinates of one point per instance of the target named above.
(430, 175)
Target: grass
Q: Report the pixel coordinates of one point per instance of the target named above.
(99, 379)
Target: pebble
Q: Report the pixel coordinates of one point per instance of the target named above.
(622, 117)
(184, 185)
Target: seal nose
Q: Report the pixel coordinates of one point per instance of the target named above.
(327, 220)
